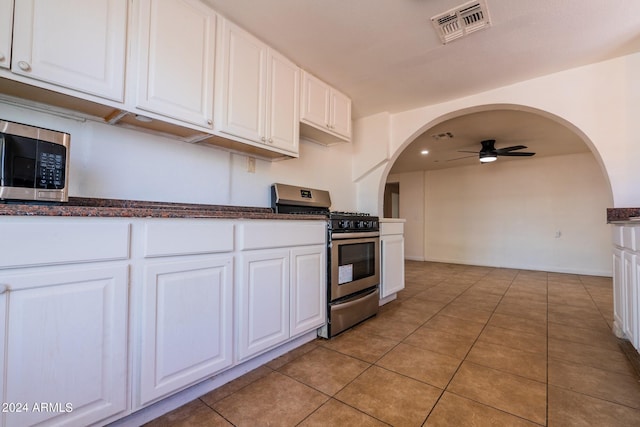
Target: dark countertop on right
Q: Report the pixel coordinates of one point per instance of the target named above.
(615, 215)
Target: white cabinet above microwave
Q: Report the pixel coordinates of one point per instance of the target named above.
(6, 29)
(75, 45)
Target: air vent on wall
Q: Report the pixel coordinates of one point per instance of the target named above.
(461, 21)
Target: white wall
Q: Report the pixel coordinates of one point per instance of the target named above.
(508, 214)
(111, 162)
(600, 102)
(412, 207)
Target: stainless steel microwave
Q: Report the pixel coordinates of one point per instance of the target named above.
(33, 163)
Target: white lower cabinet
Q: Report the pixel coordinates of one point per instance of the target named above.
(263, 301)
(619, 286)
(391, 256)
(102, 317)
(281, 288)
(308, 288)
(187, 323)
(64, 344)
(626, 283)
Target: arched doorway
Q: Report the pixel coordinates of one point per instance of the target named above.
(545, 213)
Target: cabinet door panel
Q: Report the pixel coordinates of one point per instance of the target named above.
(263, 312)
(308, 289)
(6, 30)
(392, 280)
(284, 124)
(619, 309)
(314, 107)
(340, 114)
(243, 83)
(76, 44)
(628, 293)
(66, 344)
(176, 54)
(186, 324)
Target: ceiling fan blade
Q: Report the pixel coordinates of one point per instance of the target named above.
(507, 149)
(516, 154)
(465, 157)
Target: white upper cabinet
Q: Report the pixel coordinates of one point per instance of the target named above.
(75, 44)
(175, 49)
(340, 111)
(283, 124)
(325, 113)
(6, 28)
(257, 91)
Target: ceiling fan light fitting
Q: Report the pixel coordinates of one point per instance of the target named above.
(487, 158)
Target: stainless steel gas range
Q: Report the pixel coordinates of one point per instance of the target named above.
(353, 255)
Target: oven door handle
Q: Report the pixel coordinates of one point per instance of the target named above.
(356, 299)
(356, 235)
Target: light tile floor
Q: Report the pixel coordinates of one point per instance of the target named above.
(461, 346)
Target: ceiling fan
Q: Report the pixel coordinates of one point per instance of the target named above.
(489, 153)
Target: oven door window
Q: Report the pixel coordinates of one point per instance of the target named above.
(356, 261)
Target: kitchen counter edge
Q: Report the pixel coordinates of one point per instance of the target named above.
(117, 208)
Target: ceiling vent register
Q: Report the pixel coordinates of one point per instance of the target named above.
(461, 21)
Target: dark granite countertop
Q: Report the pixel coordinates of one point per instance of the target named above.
(115, 208)
(620, 215)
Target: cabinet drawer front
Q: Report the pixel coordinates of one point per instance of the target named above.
(187, 237)
(32, 242)
(278, 234)
(391, 228)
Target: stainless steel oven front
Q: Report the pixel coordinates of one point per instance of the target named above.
(354, 276)
(355, 264)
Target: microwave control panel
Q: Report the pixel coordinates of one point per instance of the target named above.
(51, 165)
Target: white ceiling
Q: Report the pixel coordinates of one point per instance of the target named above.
(386, 55)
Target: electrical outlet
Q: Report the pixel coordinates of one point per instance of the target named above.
(251, 164)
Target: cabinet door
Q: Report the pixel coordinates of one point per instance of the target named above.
(315, 101)
(66, 343)
(263, 301)
(176, 49)
(76, 44)
(635, 283)
(242, 84)
(619, 308)
(340, 121)
(6, 30)
(308, 288)
(187, 324)
(629, 294)
(283, 130)
(392, 258)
